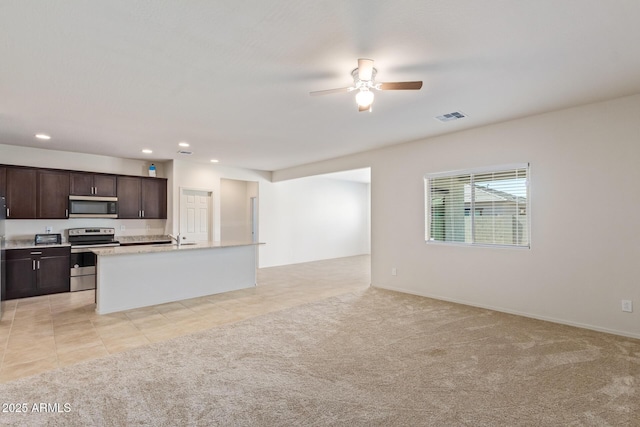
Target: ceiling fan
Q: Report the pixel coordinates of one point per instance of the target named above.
(364, 81)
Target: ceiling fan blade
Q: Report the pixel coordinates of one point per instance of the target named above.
(361, 108)
(365, 69)
(329, 91)
(400, 86)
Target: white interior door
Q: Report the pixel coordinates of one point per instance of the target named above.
(196, 213)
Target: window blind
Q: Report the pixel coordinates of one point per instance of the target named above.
(487, 207)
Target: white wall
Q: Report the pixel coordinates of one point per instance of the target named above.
(185, 174)
(43, 158)
(584, 208)
(299, 220)
(235, 217)
(320, 218)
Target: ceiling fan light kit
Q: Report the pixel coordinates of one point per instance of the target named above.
(364, 81)
(364, 98)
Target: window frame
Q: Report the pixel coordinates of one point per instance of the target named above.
(428, 177)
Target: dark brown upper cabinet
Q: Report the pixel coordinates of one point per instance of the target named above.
(21, 193)
(92, 184)
(3, 181)
(154, 198)
(142, 198)
(129, 197)
(34, 193)
(53, 194)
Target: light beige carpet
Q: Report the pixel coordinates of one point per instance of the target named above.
(363, 359)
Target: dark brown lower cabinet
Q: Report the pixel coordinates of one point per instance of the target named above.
(33, 272)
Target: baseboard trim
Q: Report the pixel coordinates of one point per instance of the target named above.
(515, 312)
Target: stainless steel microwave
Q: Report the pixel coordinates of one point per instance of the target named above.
(93, 207)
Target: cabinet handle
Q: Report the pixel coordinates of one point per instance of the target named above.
(38, 264)
(36, 253)
(95, 190)
(7, 212)
(143, 213)
(34, 264)
(66, 213)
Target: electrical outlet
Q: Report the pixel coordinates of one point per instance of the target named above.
(394, 271)
(48, 230)
(627, 305)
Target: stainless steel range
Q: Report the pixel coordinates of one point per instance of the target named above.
(83, 261)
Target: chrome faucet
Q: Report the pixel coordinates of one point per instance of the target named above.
(176, 238)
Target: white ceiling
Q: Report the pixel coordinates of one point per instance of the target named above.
(233, 77)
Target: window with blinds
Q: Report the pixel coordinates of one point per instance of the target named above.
(483, 207)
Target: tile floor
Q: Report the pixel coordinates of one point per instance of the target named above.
(43, 333)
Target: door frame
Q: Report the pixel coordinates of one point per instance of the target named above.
(210, 219)
(254, 215)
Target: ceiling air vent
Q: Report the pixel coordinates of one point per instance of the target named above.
(185, 152)
(451, 116)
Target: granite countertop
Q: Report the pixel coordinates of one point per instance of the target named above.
(30, 244)
(124, 240)
(167, 247)
(143, 240)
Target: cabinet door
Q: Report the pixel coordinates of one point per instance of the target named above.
(21, 193)
(3, 181)
(90, 184)
(81, 184)
(53, 194)
(104, 185)
(52, 274)
(3, 272)
(20, 278)
(154, 198)
(128, 197)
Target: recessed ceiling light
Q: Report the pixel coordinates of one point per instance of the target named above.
(147, 151)
(42, 136)
(183, 144)
(214, 160)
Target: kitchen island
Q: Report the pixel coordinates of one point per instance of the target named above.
(139, 276)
